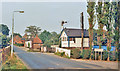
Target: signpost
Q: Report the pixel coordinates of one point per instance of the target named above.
(98, 50)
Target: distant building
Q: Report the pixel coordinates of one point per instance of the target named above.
(16, 40)
(72, 38)
(32, 42)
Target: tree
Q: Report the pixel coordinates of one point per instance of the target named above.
(116, 24)
(91, 19)
(49, 38)
(99, 11)
(17, 34)
(45, 35)
(4, 29)
(108, 23)
(33, 30)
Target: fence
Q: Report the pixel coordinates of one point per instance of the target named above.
(67, 52)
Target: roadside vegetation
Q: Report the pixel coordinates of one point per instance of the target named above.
(106, 15)
(14, 63)
(76, 54)
(62, 54)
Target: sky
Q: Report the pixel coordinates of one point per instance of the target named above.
(46, 15)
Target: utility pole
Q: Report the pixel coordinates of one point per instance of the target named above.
(82, 32)
(13, 30)
(12, 34)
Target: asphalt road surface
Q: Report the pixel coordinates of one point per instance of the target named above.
(37, 60)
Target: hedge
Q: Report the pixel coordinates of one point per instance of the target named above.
(18, 44)
(86, 54)
(76, 53)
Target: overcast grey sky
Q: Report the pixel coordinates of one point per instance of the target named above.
(47, 15)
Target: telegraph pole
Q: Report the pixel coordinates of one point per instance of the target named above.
(82, 32)
(12, 34)
(13, 30)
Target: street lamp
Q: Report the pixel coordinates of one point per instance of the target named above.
(13, 30)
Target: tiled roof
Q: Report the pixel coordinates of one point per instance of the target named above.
(37, 40)
(16, 39)
(75, 32)
(25, 36)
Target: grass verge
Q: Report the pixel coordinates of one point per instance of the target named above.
(62, 54)
(14, 63)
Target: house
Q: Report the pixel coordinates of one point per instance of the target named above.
(32, 42)
(16, 40)
(71, 38)
(36, 42)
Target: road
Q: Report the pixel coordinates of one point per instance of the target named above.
(37, 60)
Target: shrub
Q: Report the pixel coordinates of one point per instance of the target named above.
(58, 53)
(118, 56)
(28, 45)
(86, 54)
(93, 55)
(75, 53)
(62, 54)
(18, 44)
(105, 55)
(112, 56)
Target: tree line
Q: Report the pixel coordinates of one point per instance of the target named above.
(106, 14)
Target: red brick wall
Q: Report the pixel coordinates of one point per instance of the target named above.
(36, 46)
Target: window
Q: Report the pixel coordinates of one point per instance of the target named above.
(72, 39)
(64, 38)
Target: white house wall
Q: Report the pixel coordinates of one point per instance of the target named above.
(64, 43)
(78, 42)
(26, 43)
(63, 34)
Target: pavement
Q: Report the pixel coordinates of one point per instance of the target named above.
(38, 60)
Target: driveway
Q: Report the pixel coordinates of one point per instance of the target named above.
(37, 60)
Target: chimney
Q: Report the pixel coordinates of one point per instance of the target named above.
(62, 23)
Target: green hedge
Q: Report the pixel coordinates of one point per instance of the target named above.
(62, 54)
(93, 55)
(86, 54)
(113, 56)
(76, 53)
(105, 55)
(19, 44)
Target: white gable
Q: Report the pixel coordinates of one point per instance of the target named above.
(63, 34)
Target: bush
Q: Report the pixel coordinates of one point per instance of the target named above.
(112, 56)
(93, 55)
(86, 54)
(105, 55)
(76, 53)
(62, 54)
(18, 44)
